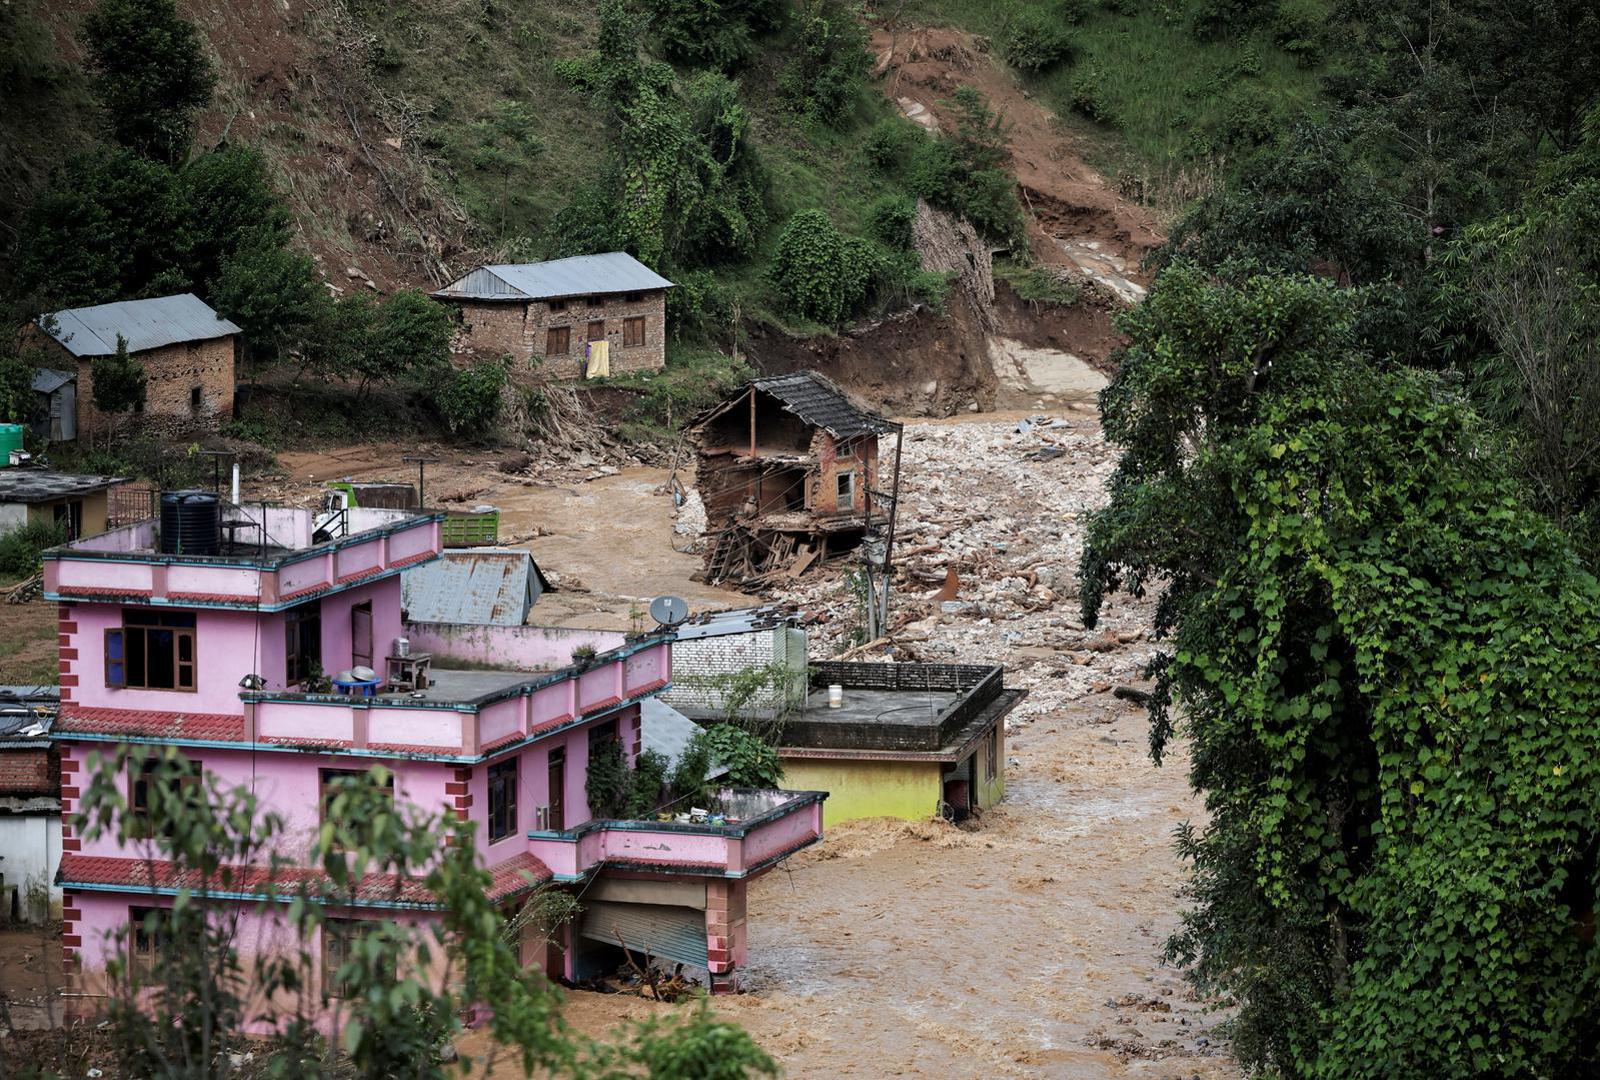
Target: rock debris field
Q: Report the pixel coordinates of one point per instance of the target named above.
(1028, 943)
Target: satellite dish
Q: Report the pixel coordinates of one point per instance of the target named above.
(669, 611)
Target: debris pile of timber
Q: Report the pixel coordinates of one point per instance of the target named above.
(989, 535)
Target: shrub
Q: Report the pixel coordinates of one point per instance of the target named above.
(1036, 40)
(647, 784)
(1087, 98)
(750, 762)
(20, 548)
(889, 221)
(469, 399)
(890, 143)
(818, 271)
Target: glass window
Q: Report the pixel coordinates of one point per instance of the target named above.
(152, 650)
(339, 940)
(502, 799)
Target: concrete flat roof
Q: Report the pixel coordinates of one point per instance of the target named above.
(24, 485)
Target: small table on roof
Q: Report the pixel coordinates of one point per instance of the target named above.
(357, 687)
(409, 672)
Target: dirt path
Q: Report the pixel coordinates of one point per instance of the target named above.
(1081, 220)
(605, 533)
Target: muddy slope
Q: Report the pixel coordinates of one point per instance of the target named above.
(920, 363)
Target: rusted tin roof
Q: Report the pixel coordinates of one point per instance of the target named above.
(494, 586)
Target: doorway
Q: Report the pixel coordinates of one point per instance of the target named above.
(361, 634)
(558, 790)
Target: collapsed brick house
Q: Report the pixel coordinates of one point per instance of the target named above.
(185, 347)
(587, 315)
(788, 471)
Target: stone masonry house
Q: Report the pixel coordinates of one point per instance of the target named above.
(788, 470)
(186, 348)
(558, 312)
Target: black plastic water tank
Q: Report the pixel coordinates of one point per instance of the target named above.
(191, 523)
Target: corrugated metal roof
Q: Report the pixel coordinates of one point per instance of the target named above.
(26, 715)
(581, 275)
(667, 731)
(42, 485)
(493, 586)
(818, 401)
(739, 621)
(49, 380)
(146, 324)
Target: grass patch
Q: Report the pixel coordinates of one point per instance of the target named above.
(694, 379)
(1154, 102)
(1041, 284)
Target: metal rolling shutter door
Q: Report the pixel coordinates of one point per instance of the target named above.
(670, 933)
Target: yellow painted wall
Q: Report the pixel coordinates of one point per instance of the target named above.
(862, 789)
(990, 788)
(94, 511)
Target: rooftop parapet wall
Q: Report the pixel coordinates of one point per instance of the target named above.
(892, 707)
(530, 648)
(783, 822)
(126, 565)
(468, 729)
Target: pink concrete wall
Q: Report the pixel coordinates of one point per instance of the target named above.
(258, 931)
(523, 648)
(418, 727)
(288, 785)
(533, 783)
(336, 630)
(554, 702)
(228, 646)
(769, 839)
(304, 574)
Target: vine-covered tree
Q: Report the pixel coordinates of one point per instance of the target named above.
(1386, 666)
(151, 73)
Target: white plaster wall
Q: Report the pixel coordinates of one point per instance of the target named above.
(12, 516)
(30, 852)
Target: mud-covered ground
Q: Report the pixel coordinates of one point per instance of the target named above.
(1029, 943)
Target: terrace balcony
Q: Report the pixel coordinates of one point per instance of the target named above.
(462, 715)
(271, 559)
(760, 829)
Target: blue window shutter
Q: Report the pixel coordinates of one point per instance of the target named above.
(116, 663)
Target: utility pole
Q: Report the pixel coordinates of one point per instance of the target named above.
(894, 511)
(422, 462)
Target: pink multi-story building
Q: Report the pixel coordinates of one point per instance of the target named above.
(206, 648)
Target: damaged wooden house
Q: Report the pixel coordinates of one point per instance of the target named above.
(788, 472)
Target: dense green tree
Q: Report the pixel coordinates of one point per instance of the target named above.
(1036, 39)
(829, 64)
(967, 172)
(410, 337)
(1385, 665)
(18, 403)
(230, 202)
(1308, 203)
(150, 72)
(713, 33)
(118, 381)
(112, 226)
(274, 294)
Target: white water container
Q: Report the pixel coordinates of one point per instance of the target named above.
(835, 696)
(402, 646)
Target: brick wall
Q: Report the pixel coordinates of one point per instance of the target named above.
(698, 658)
(521, 330)
(28, 772)
(173, 372)
(726, 943)
(860, 457)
